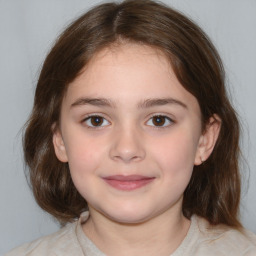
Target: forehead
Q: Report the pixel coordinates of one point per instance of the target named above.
(128, 72)
(135, 59)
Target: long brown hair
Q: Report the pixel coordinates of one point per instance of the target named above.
(214, 189)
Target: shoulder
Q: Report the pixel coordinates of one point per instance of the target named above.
(223, 240)
(63, 242)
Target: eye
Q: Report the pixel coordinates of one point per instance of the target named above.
(96, 121)
(159, 121)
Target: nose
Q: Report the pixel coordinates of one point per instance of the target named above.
(127, 146)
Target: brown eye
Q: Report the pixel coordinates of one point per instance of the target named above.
(96, 121)
(159, 121)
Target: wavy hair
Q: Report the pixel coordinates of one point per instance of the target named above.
(214, 189)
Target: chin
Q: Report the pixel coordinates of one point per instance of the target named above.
(130, 216)
(135, 219)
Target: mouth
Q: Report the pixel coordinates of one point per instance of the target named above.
(128, 183)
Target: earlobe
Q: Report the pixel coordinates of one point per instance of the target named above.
(59, 146)
(208, 140)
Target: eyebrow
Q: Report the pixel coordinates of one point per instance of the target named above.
(93, 101)
(103, 102)
(161, 102)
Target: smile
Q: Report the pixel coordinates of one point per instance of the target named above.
(128, 183)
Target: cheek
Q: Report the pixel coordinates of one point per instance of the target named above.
(176, 154)
(84, 155)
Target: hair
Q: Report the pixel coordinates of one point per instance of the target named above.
(214, 189)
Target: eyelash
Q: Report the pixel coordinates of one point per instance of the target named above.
(166, 118)
(89, 118)
(104, 120)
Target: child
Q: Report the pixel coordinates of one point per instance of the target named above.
(132, 142)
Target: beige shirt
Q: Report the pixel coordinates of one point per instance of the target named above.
(201, 240)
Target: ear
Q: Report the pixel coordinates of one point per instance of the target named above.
(59, 145)
(208, 140)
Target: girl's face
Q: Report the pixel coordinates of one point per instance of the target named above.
(131, 134)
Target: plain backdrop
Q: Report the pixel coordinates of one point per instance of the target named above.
(28, 28)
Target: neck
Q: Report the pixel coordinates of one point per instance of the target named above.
(159, 235)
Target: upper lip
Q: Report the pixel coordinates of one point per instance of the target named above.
(127, 177)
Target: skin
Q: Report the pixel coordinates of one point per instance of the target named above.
(128, 80)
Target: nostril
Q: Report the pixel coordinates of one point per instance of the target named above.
(127, 155)
(127, 145)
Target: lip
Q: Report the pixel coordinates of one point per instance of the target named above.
(129, 182)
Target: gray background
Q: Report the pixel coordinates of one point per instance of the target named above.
(27, 31)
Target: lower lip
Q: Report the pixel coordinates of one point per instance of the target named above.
(128, 185)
